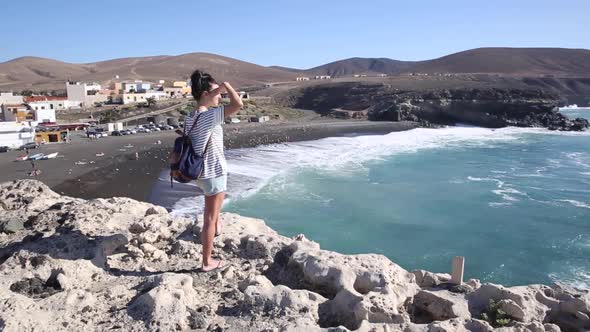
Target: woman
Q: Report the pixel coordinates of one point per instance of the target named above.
(207, 138)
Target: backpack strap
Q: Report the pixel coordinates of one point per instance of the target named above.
(193, 126)
(210, 134)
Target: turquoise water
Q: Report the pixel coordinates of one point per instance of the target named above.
(515, 202)
(572, 113)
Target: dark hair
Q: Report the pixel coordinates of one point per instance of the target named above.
(200, 82)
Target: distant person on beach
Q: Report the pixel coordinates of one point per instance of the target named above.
(207, 139)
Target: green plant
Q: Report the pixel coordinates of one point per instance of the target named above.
(151, 101)
(495, 315)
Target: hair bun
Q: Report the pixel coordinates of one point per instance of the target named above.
(200, 81)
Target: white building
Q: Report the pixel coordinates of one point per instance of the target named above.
(137, 86)
(32, 113)
(55, 103)
(10, 98)
(16, 112)
(15, 134)
(87, 94)
(302, 78)
(44, 114)
(174, 92)
(322, 77)
(129, 98)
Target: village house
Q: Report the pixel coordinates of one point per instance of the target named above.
(186, 89)
(302, 79)
(243, 94)
(10, 98)
(322, 77)
(16, 112)
(55, 103)
(87, 94)
(129, 98)
(137, 87)
(174, 92)
(15, 134)
(56, 135)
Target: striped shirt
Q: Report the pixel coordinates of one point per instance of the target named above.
(209, 124)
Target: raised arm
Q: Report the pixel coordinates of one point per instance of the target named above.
(235, 102)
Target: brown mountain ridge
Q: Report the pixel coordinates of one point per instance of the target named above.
(40, 73)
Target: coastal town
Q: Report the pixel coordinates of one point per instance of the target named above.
(28, 120)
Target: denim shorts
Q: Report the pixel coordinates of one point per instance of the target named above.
(213, 186)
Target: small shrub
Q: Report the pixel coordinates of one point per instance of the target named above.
(495, 316)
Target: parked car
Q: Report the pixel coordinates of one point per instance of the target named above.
(155, 129)
(4, 149)
(116, 133)
(143, 130)
(29, 146)
(133, 131)
(125, 132)
(174, 126)
(103, 134)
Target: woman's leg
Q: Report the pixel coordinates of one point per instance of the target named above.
(212, 209)
(218, 227)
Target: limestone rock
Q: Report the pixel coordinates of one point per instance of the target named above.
(113, 264)
(11, 226)
(440, 305)
(166, 304)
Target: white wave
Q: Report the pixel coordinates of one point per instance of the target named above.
(346, 156)
(507, 194)
(577, 277)
(579, 158)
(499, 183)
(575, 203)
(495, 204)
(499, 172)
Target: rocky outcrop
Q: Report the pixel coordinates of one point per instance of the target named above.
(486, 107)
(481, 107)
(119, 264)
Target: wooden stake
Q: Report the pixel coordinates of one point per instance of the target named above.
(458, 269)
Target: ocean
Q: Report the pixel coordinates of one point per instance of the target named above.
(514, 201)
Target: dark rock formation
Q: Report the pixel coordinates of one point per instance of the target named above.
(486, 107)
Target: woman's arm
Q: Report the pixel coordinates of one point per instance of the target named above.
(235, 102)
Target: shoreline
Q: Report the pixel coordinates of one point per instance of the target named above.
(118, 174)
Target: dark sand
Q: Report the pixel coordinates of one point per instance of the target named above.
(117, 173)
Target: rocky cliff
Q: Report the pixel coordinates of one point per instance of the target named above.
(486, 107)
(119, 264)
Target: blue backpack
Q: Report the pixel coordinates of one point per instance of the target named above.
(185, 164)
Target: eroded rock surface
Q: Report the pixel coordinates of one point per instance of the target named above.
(119, 264)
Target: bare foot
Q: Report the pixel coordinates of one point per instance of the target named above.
(213, 265)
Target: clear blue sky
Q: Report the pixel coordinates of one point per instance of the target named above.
(299, 34)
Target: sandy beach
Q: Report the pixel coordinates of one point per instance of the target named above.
(80, 171)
